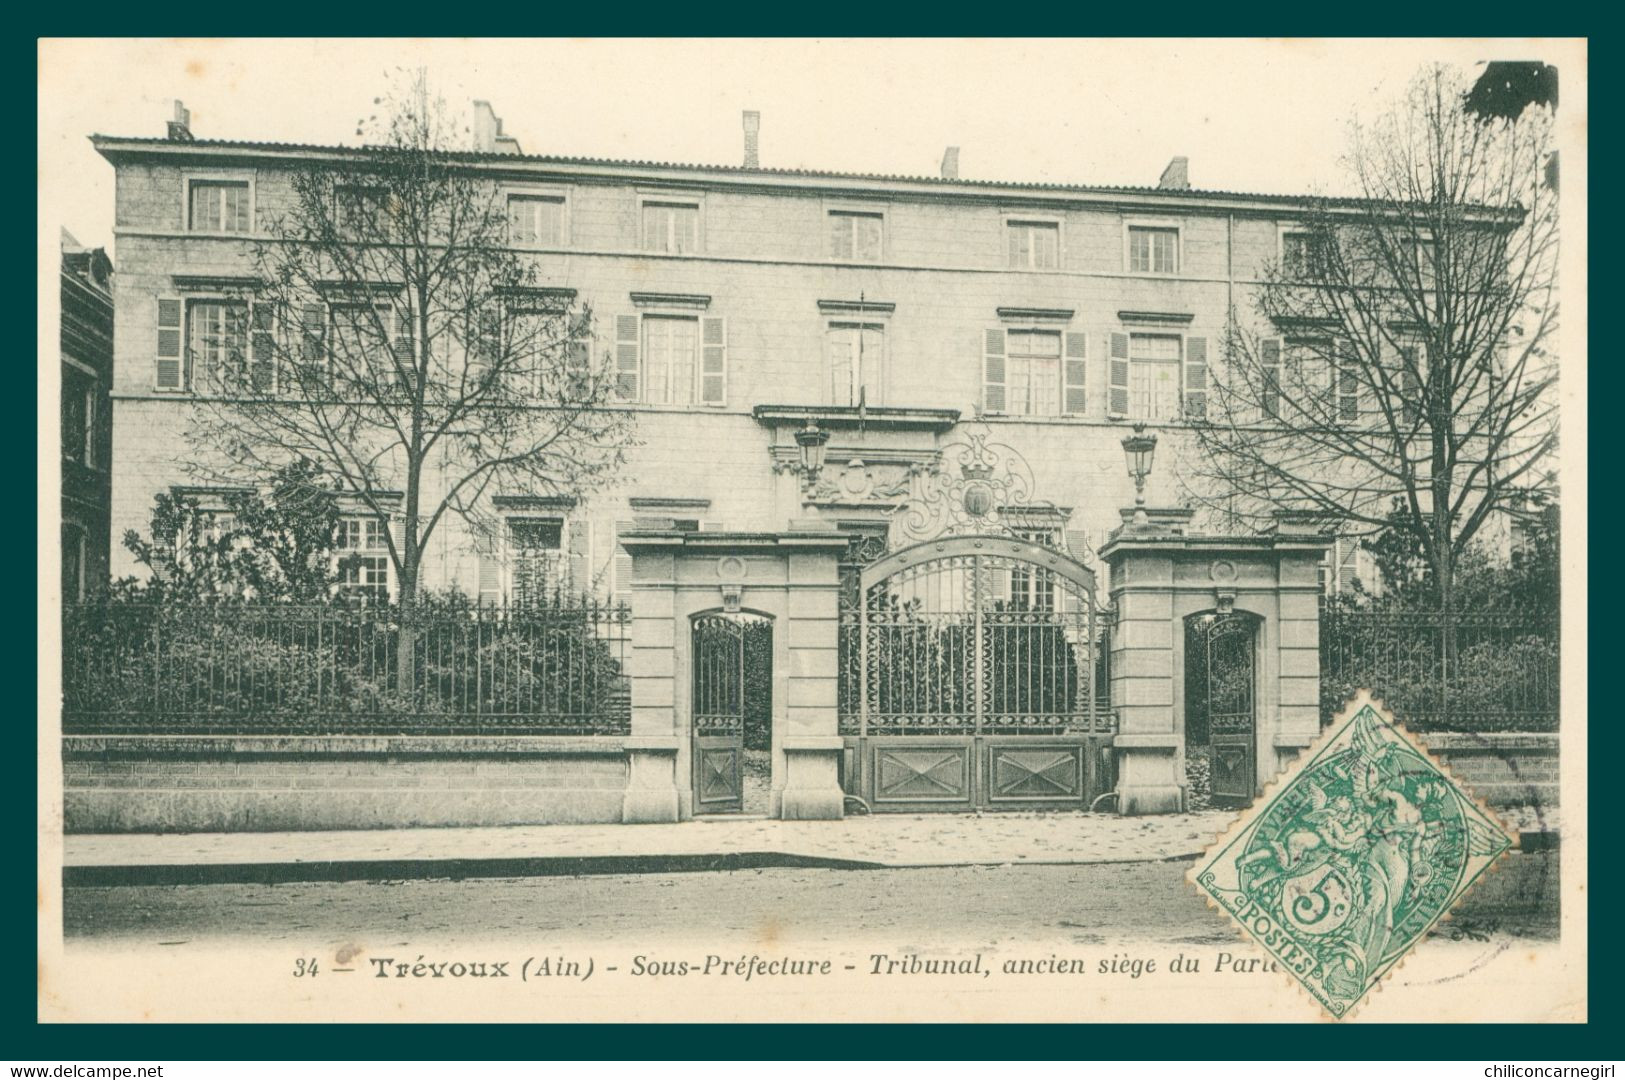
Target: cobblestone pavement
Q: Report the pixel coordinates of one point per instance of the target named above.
(896, 840)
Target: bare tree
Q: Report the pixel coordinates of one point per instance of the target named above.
(395, 336)
(1398, 372)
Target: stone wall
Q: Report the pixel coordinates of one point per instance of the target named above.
(1508, 769)
(263, 783)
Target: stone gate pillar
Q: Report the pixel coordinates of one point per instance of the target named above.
(791, 578)
(1160, 574)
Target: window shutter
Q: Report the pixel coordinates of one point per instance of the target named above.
(993, 371)
(580, 369)
(169, 373)
(1347, 552)
(1117, 371)
(1269, 351)
(1074, 367)
(312, 321)
(1194, 402)
(490, 591)
(1348, 383)
(262, 351)
(1410, 384)
(403, 345)
(623, 566)
(713, 361)
(580, 543)
(626, 357)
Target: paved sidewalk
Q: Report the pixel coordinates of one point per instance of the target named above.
(893, 840)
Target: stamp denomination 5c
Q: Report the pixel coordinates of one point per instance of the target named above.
(1348, 860)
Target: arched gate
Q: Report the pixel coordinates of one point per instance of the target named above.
(969, 668)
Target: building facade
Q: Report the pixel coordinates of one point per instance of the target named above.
(932, 602)
(87, 416)
(741, 302)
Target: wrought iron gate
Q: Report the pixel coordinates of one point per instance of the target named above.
(1229, 650)
(719, 702)
(968, 673)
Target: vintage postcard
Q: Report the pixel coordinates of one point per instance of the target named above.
(862, 530)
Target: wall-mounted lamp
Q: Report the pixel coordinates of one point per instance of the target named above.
(812, 439)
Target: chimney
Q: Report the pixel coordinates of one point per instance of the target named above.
(488, 137)
(950, 163)
(1177, 176)
(753, 128)
(180, 128)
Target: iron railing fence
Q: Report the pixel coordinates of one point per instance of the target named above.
(261, 668)
(1481, 670)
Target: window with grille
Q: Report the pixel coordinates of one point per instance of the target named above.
(1153, 250)
(536, 220)
(1033, 372)
(855, 236)
(1154, 362)
(218, 206)
(363, 554)
(1033, 245)
(671, 227)
(857, 352)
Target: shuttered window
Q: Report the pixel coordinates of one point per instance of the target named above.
(1032, 372)
(1410, 384)
(1346, 374)
(670, 349)
(169, 373)
(857, 352)
(536, 559)
(217, 343)
(1155, 376)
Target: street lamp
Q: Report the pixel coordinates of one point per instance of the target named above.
(1139, 448)
(811, 439)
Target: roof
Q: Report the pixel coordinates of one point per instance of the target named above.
(113, 145)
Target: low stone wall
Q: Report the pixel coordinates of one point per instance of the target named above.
(168, 783)
(1509, 769)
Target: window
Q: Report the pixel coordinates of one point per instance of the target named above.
(1033, 245)
(537, 559)
(1033, 588)
(670, 347)
(855, 236)
(217, 206)
(857, 354)
(1154, 377)
(359, 211)
(1301, 255)
(73, 563)
(671, 227)
(217, 343)
(363, 554)
(364, 341)
(1033, 372)
(1153, 250)
(536, 220)
(1420, 259)
(79, 417)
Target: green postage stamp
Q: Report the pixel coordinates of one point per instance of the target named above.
(1351, 856)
